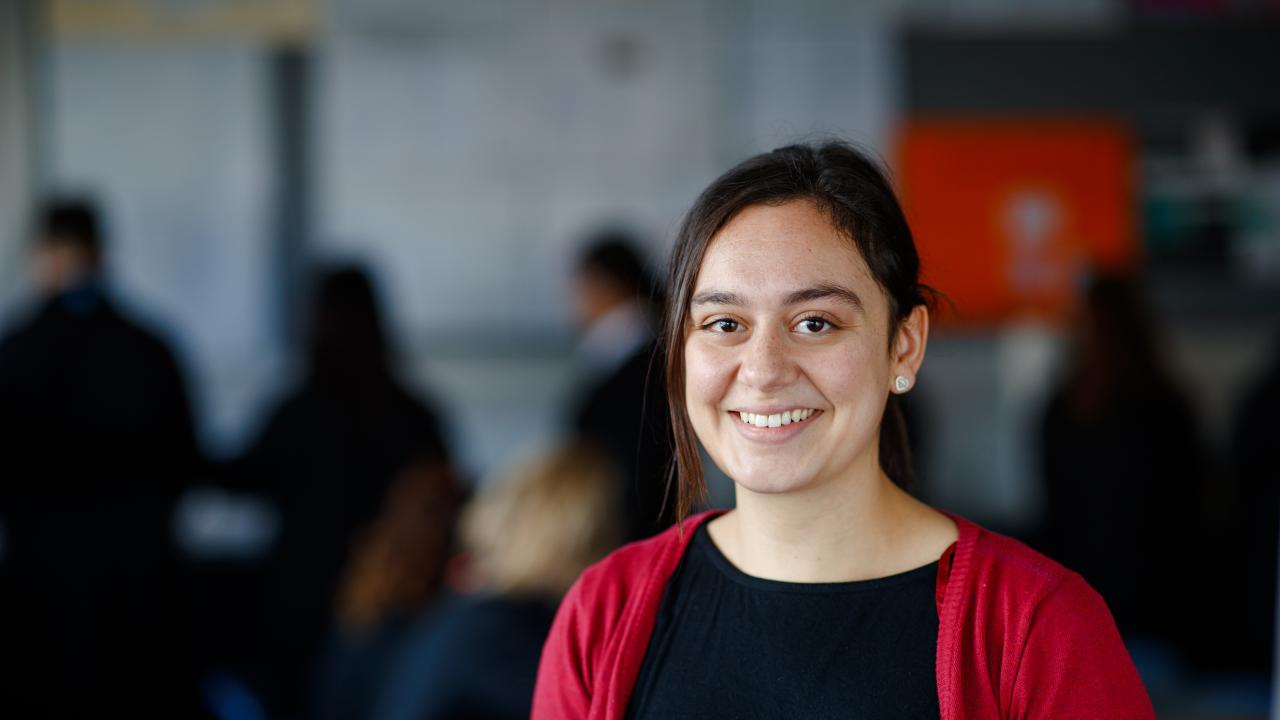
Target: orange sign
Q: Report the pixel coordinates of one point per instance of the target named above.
(1009, 216)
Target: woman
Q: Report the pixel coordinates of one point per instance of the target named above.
(525, 537)
(1123, 472)
(796, 315)
(395, 574)
(326, 458)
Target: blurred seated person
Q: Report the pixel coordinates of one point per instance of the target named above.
(326, 458)
(1123, 468)
(98, 444)
(525, 539)
(395, 575)
(621, 404)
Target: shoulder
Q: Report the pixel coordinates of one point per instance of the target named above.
(133, 337)
(145, 333)
(1059, 651)
(623, 588)
(604, 608)
(1008, 587)
(14, 342)
(1025, 635)
(626, 587)
(24, 330)
(607, 586)
(1044, 602)
(999, 558)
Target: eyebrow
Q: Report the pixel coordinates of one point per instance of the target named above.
(817, 292)
(717, 297)
(822, 292)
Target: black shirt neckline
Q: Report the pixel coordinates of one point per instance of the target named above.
(706, 547)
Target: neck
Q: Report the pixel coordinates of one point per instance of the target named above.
(851, 529)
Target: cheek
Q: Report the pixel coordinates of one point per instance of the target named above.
(853, 376)
(707, 372)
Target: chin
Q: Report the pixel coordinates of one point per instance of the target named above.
(768, 480)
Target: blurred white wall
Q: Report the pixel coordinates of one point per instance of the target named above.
(171, 140)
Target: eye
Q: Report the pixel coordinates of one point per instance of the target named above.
(722, 325)
(814, 325)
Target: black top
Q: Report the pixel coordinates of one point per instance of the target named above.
(625, 413)
(1122, 483)
(326, 459)
(729, 645)
(96, 445)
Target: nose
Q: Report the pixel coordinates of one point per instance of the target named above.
(766, 363)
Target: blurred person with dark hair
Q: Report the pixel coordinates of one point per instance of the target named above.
(525, 538)
(1123, 467)
(1255, 530)
(622, 405)
(98, 445)
(326, 458)
(394, 575)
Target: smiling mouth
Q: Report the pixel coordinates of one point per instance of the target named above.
(775, 420)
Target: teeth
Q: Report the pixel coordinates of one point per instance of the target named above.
(777, 419)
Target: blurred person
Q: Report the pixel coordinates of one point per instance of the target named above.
(1255, 532)
(326, 457)
(621, 402)
(525, 538)
(1123, 466)
(98, 443)
(796, 318)
(394, 575)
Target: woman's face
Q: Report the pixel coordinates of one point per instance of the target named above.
(787, 359)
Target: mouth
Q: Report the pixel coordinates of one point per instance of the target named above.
(775, 420)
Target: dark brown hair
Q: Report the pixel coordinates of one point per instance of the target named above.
(857, 196)
(398, 564)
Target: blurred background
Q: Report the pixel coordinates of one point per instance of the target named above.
(354, 269)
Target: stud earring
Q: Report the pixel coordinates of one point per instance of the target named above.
(901, 383)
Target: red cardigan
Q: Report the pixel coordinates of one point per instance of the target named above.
(1019, 636)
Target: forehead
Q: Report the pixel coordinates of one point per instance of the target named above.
(782, 248)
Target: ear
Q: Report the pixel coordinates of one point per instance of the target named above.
(908, 346)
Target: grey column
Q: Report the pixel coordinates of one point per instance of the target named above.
(19, 49)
